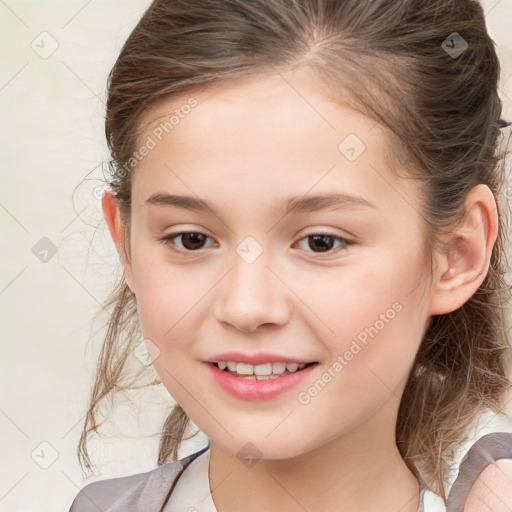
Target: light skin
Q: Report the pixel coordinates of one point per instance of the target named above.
(247, 146)
(491, 492)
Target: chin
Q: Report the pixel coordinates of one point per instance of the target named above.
(252, 448)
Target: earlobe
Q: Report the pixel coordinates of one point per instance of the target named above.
(113, 220)
(463, 265)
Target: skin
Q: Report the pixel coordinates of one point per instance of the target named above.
(249, 144)
(491, 492)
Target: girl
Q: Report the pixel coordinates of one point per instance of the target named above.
(305, 201)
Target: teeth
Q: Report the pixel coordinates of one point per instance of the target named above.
(278, 368)
(261, 371)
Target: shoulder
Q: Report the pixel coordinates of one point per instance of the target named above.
(484, 480)
(142, 492)
(492, 490)
(126, 492)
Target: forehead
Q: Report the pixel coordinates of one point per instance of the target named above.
(262, 104)
(266, 136)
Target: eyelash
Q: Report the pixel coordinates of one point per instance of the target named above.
(167, 240)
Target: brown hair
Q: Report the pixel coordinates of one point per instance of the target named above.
(386, 58)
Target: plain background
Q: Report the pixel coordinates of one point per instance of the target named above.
(58, 262)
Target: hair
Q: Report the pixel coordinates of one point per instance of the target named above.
(386, 59)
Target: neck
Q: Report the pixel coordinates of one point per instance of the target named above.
(361, 469)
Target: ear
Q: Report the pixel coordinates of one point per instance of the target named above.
(113, 219)
(464, 263)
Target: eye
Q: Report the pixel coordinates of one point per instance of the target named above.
(324, 242)
(192, 241)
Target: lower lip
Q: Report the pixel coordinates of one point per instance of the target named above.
(254, 389)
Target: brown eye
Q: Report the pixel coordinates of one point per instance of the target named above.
(321, 242)
(191, 241)
(324, 242)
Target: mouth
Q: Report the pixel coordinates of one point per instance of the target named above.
(265, 371)
(262, 381)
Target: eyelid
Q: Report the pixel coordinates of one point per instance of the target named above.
(167, 240)
(346, 242)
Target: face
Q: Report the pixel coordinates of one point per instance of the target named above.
(264, 270)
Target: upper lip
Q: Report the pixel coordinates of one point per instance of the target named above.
(259, 358)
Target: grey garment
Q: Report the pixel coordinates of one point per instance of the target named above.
(485, 451)
(143, 492)
(150, 491)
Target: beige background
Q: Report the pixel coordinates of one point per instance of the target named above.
(52, 145)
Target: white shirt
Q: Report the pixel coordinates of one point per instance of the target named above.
(192, 491)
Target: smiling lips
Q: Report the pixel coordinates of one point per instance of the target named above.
(257, 377)
(256, 359)
(263, 371)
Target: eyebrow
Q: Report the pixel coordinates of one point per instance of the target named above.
(302, 204)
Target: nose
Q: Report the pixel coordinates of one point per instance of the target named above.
(252, 295)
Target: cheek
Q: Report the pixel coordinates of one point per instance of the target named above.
(166, 295)
(351, 300)
(375, 317)
(168, 304)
